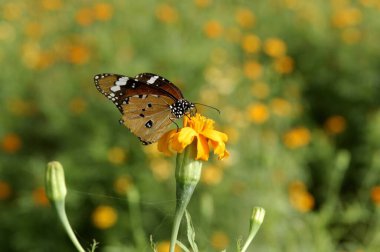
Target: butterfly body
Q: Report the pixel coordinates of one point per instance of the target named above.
(148, 102)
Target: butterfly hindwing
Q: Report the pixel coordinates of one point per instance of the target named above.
(148, 116)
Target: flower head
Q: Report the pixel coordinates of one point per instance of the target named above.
(197, 129)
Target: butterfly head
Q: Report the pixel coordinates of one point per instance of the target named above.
(182, 107)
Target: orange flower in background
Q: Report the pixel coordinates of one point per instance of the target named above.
(5, 190)
(219, 240)
(78, 54)
(335, 124)
(284, 65)
(39, 197)
(213, 29)
(11, 143)
(251, 43)
(300, 198)
(21, 107)
(258, 113)
(202, 3)
(212, 175)
(280, 107)
(164, 246)
(346, 17)
(197, 129)
(104, 217)
(117, 155)
(161, 169)
(275, 47)
(245, 18)
(51, 4)
(78, 105)
(260, 90)
(166, 13)
(103, 11)
(84, 16)
(297, 137)
(375, 195)
(252, 69)
(122, 184)
(351, 35)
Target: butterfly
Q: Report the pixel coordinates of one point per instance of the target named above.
(149, 103)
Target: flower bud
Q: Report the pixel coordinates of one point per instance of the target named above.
(55, 182)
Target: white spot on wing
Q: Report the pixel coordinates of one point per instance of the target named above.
(152, 79)
(115, 88)
(122, 81)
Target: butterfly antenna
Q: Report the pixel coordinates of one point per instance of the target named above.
(217, 110)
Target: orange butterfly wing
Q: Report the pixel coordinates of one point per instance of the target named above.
(143, 101)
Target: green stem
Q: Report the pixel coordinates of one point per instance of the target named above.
(182, 202)
(60, 207)
(188, 172)
(257, 219)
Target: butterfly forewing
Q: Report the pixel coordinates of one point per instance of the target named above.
(161, 82)
(148, 117)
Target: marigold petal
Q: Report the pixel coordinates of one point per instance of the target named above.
(215, 135)
(182, 139)
(202, 148)
(219, 149)
(217, 140)
(163, 142)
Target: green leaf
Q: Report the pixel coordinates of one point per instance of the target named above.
(191, 232)
(182, 246)
(152, 243)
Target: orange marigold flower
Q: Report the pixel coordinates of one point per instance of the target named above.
(335, 124)
(122, 184)
(84, 16)
(253, 69)
(51, 4)
(245, 18)
(117, 155)
(284, 65)
(104, 217)
(103, 11)
(78, 54)
(281, 107)
(5, 190)
(219, 240)
(212, 175)
(260, 90)
(166, 13)
(213, 29)
(351, 35)
(39, 197)
(300, 198)
(196, 128)
(77, 105)
(275, 47)
(346, 17)
(251, 43)
(11, 143)
(375, 194)
(202, 3)
(165, 245)
(297, 137)
(258, 113)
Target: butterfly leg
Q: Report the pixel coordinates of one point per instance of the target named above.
(172, 119)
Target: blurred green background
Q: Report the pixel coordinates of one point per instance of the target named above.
(298, 84)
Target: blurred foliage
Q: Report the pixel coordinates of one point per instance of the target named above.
(298, 85)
